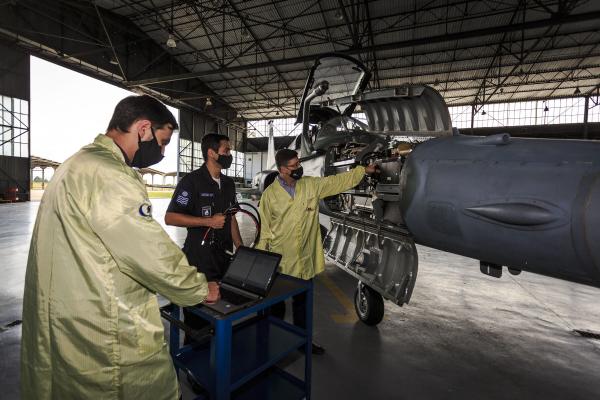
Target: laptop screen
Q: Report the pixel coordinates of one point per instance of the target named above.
(252, 270)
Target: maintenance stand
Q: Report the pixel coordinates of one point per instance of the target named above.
(239, 359)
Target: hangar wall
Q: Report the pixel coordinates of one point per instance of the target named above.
(14, 124)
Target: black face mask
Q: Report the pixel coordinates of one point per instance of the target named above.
(297, 173)
(225, 161)
(148, 153)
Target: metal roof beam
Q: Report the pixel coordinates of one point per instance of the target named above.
(382, 47)
(443, 62)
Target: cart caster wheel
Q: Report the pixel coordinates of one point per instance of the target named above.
(368, 305)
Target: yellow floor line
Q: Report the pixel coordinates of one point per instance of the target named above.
(349, 317)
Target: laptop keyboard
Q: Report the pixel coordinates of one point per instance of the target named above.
(233, 297)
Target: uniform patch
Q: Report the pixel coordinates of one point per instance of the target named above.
(207, 194)
(206, 211)
(145, 210)
(183, 199)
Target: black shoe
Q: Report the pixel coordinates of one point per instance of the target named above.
(317, 349)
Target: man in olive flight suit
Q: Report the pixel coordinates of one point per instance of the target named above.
(289, 211)
(91, 322)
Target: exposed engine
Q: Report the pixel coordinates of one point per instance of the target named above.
(377, 197)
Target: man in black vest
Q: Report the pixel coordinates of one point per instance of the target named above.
(199, 203)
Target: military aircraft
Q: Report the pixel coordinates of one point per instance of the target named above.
(522, 203)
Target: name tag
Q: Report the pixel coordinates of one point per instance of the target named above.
(207, 194)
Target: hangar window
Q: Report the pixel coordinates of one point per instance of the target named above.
(536, 112)
(508, 114)
(190, 155)
(14, 127)
(281, 127)
(461, 116)
(237, 166)
(564, 111)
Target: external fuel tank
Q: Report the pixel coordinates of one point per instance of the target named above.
(528, 204)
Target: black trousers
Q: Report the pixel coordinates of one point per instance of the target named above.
(298, 310)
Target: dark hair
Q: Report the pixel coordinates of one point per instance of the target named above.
(133, 108)
(283, 156)
(211, 141)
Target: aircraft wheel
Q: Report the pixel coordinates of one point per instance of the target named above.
(368, 305)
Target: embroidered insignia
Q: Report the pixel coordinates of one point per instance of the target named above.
(145, 210)
(206, 211)
(183, 198)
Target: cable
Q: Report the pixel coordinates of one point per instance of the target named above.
(231, 211)
(252, 207)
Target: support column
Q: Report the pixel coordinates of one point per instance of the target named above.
(585, 117)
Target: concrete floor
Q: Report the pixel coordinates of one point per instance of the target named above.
(463, 336)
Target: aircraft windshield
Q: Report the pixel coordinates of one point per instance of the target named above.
(343, 77)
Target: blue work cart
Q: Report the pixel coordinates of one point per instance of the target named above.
(239, 361)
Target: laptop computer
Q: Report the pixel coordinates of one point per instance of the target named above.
(247, 281)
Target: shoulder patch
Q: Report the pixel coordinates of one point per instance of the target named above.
(183, 198)
(145, 210)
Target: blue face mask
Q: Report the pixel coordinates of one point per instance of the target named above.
(148, 153)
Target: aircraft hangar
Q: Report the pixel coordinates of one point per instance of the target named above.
(463, 264)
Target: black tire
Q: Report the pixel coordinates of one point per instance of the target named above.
(368, 305)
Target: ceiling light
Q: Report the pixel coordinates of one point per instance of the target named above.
(171, 42)
(276, 112)
(546, 108)
(338, 15)
(113, 61)
(577, 91)
(483, 112)
(501, 90)
(436, 83)
(208, 102)
(245, 33)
